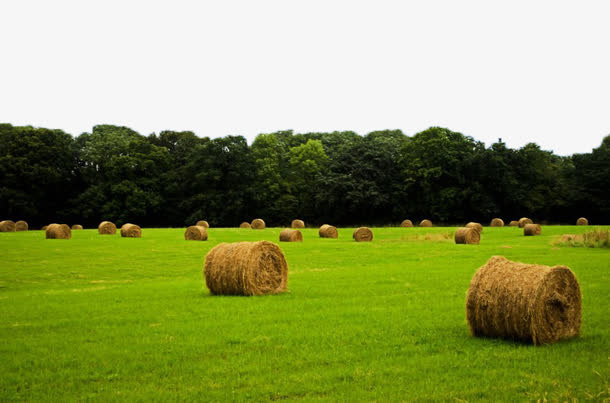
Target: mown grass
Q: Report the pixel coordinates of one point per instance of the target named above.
(106, 318)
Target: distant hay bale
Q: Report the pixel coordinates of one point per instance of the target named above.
(363, 234)
(532, 229)
(21, 226)
(291, 235)
(44, 227)
(245, 225)
(328, 231)
(467, 235)
(513, 224)
(496, 222)
(246, 268)
(196, 233)
(475, 225)
(203, 223)
(297, 224)
(131, 231)
(106, 228)
(58, 231)
(257, 223)
(526, 302)
(582, 221)
(524, 221)
(425, 223)
(406, 223)
(7, 226)
(77, 226)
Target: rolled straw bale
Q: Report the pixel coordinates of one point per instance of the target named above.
(77, 226)
(44, 227)
(467, 235)
(496, 222)
(257, 223)
(523, 221)
(475, 225)
(131, 231)
(291, 235)
(203, 223)
(7, 226)
(532, 229)
(297, 224)
(363, 234)
(406, 223)
(526, 302)
(246, 268)
(58, 231)
(328, 231)
(106, 228)
(21, 226)
(245, 225)
(513, 224)
(582, 221)
(425, 223)
(196, 233)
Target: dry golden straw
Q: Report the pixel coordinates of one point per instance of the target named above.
(328, 231)
(44, 227)
(582, 221)
(524, 221)
(257, 223)
(106, 228)
(526, 302)
(7, 226)
(513, 224)
(58, 231)
(291, 235)
(475, 225)
(196, 233)
(532, 229)
(77, 226)
(246, 268)
(363, 234)
(425, 223)
(245, 225)
(297, 224)
(203, 223)
(131, 231)
(21, 226)
(406, 223)
(467, 235)
(496, 222)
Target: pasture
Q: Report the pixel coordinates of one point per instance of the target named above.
(110, 318)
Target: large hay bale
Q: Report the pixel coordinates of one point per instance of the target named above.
(297, 224)
(77, 226)
(406, 223)
(246, 268)
(245, 225)
(7, 226)
(523, 221)
(532, 229)
(425, 223)
(21, 226)
(203, 223)
(582, 221)
(196, 233)
(328, 231)
(131, 231)
(106, 228)
(467, 235)
(58, 231)
(291, 235)
(475, 225)
(257, 223)
(526, 302)
(363, 234)
(513, 223)
(496, 222)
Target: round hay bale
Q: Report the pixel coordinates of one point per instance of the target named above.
(291, 235)
(532, 229)
(58, 231)
(131, 231)
(496, 222)
(77, 226)
(467, 235)
(524, 221)
(245, 225)
(297, 224)
(246, 268)
(363, 234)
(328, 231)
(475, 225)
(203, 223)
(425, 223)
(7, 226)
(44, 227)
(406, 223)
(196, 233)
(526, 302)
(582, 221)
(106, 228)
(513, 224)
(21, 226)
(257, 223)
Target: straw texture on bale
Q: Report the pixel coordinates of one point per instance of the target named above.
(363, 234)
(328, 231)
(77, 226)
(196, 233)
(496, 222)
(466, 235)
(106, 228)
(245, 225)
(257, 223)
(475, 225)
(425, 223)
(526, 302)
(21, 226)
(406, 223)
(524, 221)
(58, 231)
(582, 221)
(7, 226)
(131, 231)
(44, 227)
(532, 229)
(297, 224)
(513, 224)
(203, 223)
(246, 268)
(291, 235)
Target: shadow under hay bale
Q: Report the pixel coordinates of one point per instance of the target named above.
(257, 223)
(467, 235)
(196, 233)
(106, 228)
(425, 223)
(406, 223)
(291, 235)
(532, 229)
(496, 222)
(245, 225)
(246, 268)
(21, 226)
(7, 226)
(525, 302)
(77, 226)
(58, 231)
(513, 224)
(131, 231)
(328, 231)
(524, 221)
(203, 223)
(475, 225)
(582, 221)
(297, 224)
(363, 234)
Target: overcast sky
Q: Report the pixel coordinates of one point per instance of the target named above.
(525, 71)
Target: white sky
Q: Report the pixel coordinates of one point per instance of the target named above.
(525, 71)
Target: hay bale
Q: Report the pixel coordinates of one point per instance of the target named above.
(196, 233)
(425, 223)
(297, 224)
(58, 231)
(245, 225)
(513, 224)
(291, 235)
(467, 235)
(257, 223)
(475, 225)
(406, 223)
(328, 231)
(523, 221)
(131, 231)
(7, 226)
(203, 223)
(77, 226)
(21, 226)
(496, 222)
(44, 227)
(246, 268)
(106, 228)
(582, 221)
(532, 229)
(363, 234)
(526, 302)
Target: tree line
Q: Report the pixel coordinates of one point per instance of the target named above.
(342, 178)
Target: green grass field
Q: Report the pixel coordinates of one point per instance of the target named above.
(109, 318)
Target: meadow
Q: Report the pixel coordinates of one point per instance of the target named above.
(110, 318)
